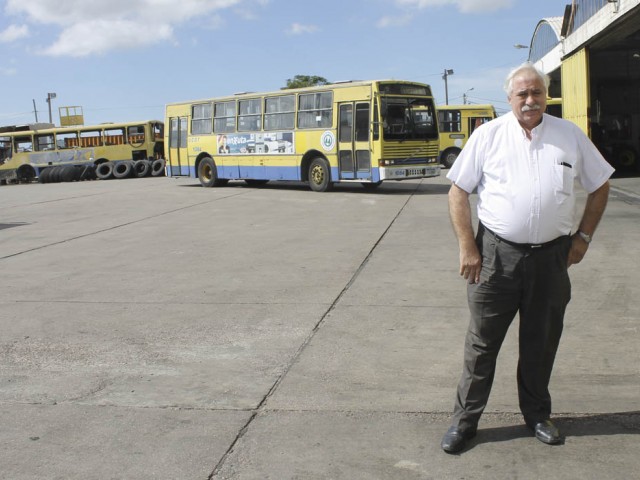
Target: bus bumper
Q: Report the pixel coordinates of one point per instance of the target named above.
(405, 173)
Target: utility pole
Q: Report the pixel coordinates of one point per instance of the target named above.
(464, 96)
(447, 72)
(50, 96)
(35, 110)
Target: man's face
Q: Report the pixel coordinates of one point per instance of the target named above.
(528, 99)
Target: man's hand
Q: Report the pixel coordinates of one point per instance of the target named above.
(593, 210)
(577, 251)
(460, 213)
(470, 263)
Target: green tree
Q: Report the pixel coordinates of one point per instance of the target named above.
(305, 81)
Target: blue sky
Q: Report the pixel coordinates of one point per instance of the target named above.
(123, 60)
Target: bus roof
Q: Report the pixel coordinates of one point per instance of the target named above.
(472, 106)
(284, 91)
(48, 128)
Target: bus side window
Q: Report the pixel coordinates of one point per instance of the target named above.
(23, 144)
(475, 122)
(362, 122)
(450, 121)
(135, 135)
(45, 142)
(5, 149)
(114, 136)
(90, 138)
(67, 140)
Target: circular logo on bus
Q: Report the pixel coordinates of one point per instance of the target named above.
(328, 140)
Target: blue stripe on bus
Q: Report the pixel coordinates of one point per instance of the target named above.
(263, 173)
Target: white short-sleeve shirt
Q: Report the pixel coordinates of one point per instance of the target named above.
(526, 187)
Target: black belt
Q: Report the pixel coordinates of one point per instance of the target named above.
(525, 246)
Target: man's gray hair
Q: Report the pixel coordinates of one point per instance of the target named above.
(526, 67)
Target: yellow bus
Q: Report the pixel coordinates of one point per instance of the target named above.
(361, 132)
(456, 124)
(26, 152)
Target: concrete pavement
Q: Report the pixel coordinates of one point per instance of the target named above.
(153, 329)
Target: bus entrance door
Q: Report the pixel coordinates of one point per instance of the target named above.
(354, 159)
(177, 155)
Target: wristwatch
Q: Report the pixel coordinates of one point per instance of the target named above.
(585, 236)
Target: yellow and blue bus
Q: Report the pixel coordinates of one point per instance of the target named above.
(456, 124)
(362, 132)
(28, 151)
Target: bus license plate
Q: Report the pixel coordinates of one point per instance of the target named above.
(410, 172)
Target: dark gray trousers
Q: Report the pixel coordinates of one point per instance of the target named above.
(535, 283)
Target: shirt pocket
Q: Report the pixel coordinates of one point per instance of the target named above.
(562, 178)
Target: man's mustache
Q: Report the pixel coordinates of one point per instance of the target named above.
(528, 108)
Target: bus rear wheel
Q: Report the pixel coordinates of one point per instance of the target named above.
(449, 157)
(320, 175)
(208, 173)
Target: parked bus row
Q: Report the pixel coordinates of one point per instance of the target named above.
(349, 132)
(54, 154)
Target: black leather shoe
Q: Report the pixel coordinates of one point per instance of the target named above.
(456, 439)
(547, 433)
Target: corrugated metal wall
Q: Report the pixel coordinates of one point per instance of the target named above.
(584, 10)
(575, 89)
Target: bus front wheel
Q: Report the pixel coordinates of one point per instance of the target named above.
(320, 175)
(449, 157)
(208, 174)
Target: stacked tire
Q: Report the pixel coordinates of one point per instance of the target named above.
(67, 173)
(157, 167)
(130, 169)
(103, 171)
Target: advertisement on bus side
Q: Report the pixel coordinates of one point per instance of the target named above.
(272, 143)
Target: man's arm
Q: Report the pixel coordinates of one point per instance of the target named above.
(460, 213)
(593, 210)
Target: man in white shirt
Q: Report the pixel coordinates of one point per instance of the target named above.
(523, 165)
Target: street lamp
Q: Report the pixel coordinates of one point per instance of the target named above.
(464, 96)
(50, 96)
(447, 72)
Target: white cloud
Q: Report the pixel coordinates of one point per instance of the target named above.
(13, 33)
(105, 35)
(465, 6)
(390, 21)
(299, 29)
(6, 72)
(98, 26)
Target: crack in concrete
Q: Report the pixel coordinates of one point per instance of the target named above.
(261, 406)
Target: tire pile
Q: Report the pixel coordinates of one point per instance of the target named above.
(67, 173)
(103, 171)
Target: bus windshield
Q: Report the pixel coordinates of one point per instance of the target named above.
(408, 119)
